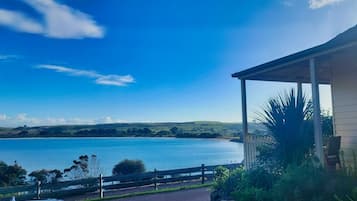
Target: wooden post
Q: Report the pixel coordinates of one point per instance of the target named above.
(203, 173)
(317, 112)
(38, 190)
(244, 123)
(299, 90)
(101, 192)
(155, 179)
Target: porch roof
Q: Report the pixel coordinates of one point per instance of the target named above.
(295, 67)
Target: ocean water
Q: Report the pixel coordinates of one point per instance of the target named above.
(159, 153)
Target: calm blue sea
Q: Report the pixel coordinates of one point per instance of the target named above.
(160, 153)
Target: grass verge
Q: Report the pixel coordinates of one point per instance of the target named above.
(164, 190)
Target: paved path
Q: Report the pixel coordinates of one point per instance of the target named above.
(132, 190)
(200, 194)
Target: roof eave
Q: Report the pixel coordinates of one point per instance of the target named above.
(293, 58)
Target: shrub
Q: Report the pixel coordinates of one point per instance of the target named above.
(255, 186)
(244, 185)
(226, 182)
(308, 182)
(11, 175)
(304, 182)
(252, 194)
(288, 119)
(300, 183)
(128, 167)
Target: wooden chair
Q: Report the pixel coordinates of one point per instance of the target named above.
(332, 152)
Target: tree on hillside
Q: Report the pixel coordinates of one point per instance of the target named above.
(84, 167)
(129, 167)
(163, 133)
(288, 119)
(11, 175)
(175, 130)
(46, 176)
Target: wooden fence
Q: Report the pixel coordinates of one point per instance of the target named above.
(102, 184)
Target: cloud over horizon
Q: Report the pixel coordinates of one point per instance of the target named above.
(59, 21)
(316, 4)
(24, 119)
(101, 79)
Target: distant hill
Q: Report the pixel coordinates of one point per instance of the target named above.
(197, 129)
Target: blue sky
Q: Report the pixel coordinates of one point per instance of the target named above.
(71, 62)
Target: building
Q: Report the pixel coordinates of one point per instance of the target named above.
(333, 63)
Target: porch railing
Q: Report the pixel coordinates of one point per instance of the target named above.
(252, 143)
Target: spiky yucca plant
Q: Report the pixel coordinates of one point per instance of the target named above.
(288, 118)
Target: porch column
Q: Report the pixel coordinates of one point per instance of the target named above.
(317, 112)
(299, 91)
(244, 122)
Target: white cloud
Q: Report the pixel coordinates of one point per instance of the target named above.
(315, 4)
(8, 57)
(3, 117)
(24, 119)
(70, 71)
(116, 80)
(288, 3)
(59, 21)
(111, 79)
(19, 22)
(108, 120)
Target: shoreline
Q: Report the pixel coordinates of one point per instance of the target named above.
(231, 139)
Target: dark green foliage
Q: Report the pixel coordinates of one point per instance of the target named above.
(46, 176)
(308, 182)
(352, 197)
(128, 167)
(260, 178)
(200, 135)
(163, 133)
(220, 177)
(305, 182)
(11, 175)
(242, 185)
(256, 185)
(175, 130)
(226, 182)
(300, 183)
(288, 118)
(252, 194)
(327, 124)
(96, 132)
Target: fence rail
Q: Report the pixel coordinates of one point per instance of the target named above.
(102, 184)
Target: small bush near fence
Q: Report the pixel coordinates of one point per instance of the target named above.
(127, 166)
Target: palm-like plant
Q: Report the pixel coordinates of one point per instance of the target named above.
(288, 118)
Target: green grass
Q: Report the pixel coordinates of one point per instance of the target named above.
(164, 190)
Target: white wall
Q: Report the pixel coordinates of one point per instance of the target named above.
(344, 100)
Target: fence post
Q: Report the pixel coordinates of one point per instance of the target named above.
(155, 179)
(38, 190)
(101, 193)
(203, 173)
